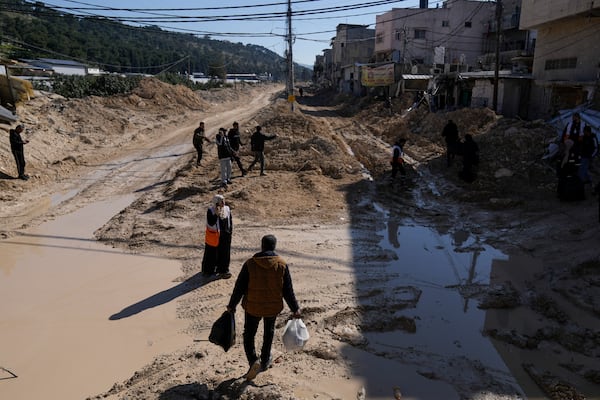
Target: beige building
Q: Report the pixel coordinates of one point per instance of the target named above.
(566, 66)
(352, 45)
(451, 34)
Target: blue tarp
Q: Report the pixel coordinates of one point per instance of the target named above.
(588, 117)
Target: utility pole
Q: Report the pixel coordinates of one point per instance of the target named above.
(405, 34)
(497, 63)
(290, 60)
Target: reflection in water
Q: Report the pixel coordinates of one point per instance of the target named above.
(448, 338)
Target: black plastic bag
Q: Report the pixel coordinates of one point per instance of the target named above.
(222, 332)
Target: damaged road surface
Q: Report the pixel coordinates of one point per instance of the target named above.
(428, 288)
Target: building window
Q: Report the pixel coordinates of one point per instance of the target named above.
(468, 24)
(398, 35)
(561, 63)
(420, 33)
(446, 23)
(379, 38)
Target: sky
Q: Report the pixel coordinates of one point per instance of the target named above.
(263, 23)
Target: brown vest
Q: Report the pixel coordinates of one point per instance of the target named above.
(265, 288)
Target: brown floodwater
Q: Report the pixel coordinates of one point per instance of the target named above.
(78, 316)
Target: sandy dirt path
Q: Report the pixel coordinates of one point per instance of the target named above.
(72, 307)
(401, 286)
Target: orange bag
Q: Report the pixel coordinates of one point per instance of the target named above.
(211, 237)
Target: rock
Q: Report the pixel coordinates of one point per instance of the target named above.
(503, 173)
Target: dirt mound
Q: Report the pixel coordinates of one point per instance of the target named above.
(88, 129)
(304, 145)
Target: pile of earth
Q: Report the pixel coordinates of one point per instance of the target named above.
(65, 133)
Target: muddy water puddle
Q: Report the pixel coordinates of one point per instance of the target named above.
(428, 272)
(59, 289)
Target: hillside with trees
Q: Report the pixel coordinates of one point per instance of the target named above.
(33, 30)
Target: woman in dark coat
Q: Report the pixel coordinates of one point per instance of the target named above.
(217, 240)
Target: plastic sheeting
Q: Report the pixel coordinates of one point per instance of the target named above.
(588, 117)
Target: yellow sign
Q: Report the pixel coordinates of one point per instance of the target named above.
(377, 76)
(291, 98)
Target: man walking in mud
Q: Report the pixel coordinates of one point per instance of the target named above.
(262, 285)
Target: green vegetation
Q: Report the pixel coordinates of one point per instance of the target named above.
(104, 85)
(32, 30)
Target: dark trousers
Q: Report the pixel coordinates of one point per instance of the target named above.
(238, 162)
(259, 157)
(398, 167)
(199, 151)
(451, 150)
(20, 160)
(250, 327)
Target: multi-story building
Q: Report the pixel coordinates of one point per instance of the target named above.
(515, 46)
(352, 44)
(425, 37)
(566, 65)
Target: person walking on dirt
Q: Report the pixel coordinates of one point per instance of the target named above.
(470, 156)
(450, 134)
(257, 143)
(217, 239)
(18, 150)
(262, 285)
(224, 154)
(235, 141)
(397, 160)
(198, 140)
(388, 105)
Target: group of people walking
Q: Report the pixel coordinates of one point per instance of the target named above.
(264, 282)
(228, 149)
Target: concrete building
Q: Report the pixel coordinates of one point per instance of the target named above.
(434, 37)
(352, 45)
(566, 65)
(63, 67)
(516, 46)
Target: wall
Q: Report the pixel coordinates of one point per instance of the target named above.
(537, 12)
(579, 38)
(456, 38)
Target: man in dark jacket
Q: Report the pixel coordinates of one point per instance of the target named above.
(257, 142)
(235, 141)
(16, 146)
(224, 154)
(198, 141)
(262, 285)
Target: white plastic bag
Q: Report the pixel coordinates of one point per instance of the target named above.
(295, 335)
